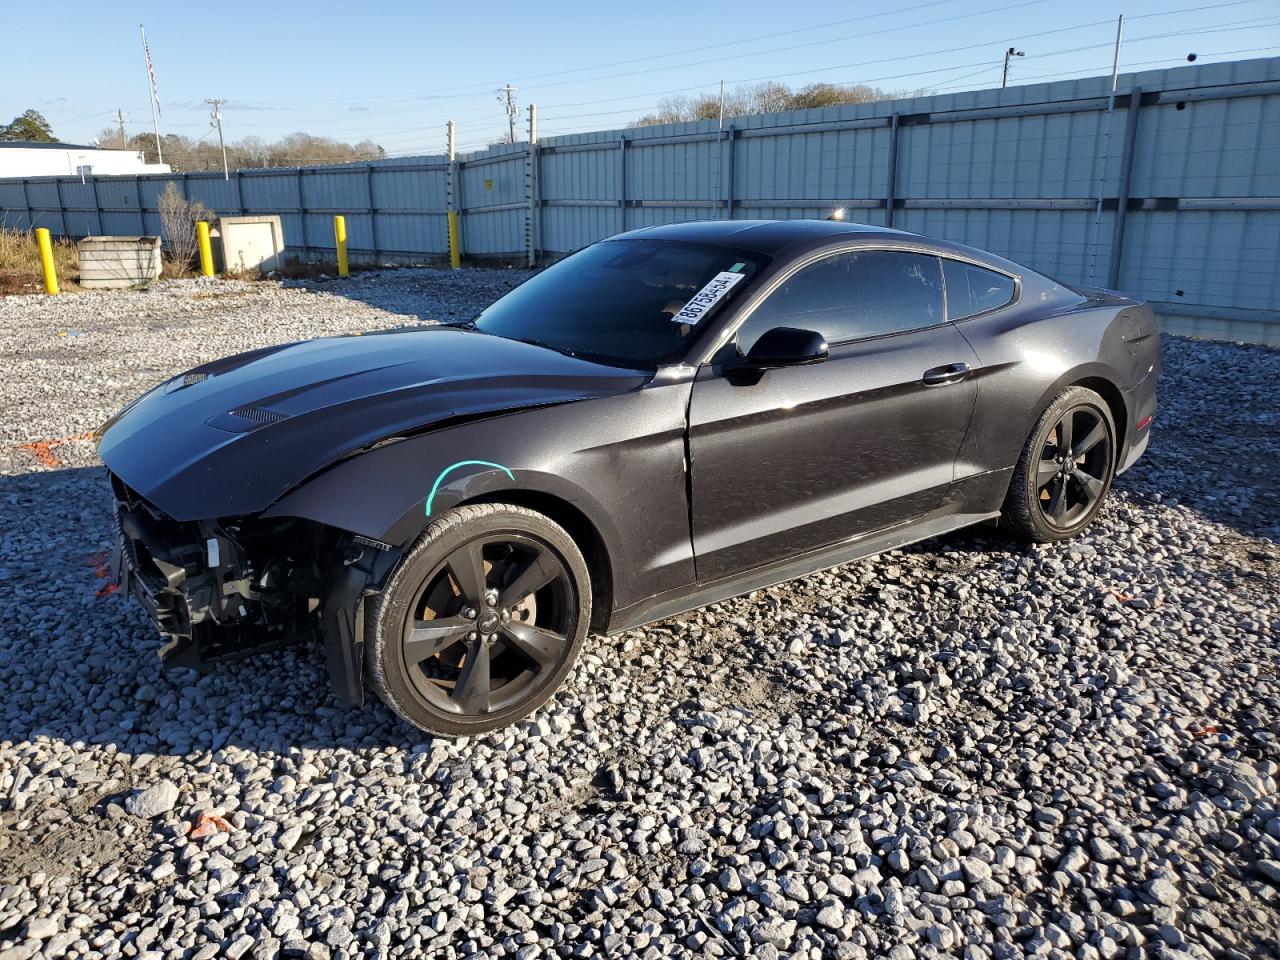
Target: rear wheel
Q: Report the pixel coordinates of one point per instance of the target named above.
(1065, 469)
(481, 622)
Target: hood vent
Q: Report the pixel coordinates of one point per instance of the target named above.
(191, 378)
(258, 415)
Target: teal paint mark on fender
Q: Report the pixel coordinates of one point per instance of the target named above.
(462, 463)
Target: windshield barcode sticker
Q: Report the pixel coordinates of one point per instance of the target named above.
(707, 297)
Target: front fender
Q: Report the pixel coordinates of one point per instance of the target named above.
(619, 461)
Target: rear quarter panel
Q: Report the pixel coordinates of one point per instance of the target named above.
(1029, 355)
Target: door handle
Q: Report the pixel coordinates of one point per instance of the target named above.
(950, 373)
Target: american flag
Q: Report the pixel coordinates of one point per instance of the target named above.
(151, 72)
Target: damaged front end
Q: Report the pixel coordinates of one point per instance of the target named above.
(231, 587)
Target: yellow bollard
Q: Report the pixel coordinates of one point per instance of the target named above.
(206, 251)
(46, 260)
(455, 250)
(340, 236)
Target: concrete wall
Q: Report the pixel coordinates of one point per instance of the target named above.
(1171, 192)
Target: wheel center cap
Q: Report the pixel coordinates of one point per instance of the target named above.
(489, 621)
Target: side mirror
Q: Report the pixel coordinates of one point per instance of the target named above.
(786, 347)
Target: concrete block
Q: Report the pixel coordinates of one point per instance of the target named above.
(118, 261)
(245, 244)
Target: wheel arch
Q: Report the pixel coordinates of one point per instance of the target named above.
(1115, 403)
(1097, 377)
(579, 527)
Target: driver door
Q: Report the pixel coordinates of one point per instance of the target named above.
(789, 460)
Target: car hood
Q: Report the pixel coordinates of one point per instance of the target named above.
(230, 437)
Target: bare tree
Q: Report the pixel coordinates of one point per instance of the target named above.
(178, 217)
(768, 97)
(295, 150)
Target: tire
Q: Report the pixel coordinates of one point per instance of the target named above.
(1034, 509)
(457, 644)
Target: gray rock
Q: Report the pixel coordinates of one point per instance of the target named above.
(41, 928)
(1103, 850)
(1269, 869)
(975, 870)
(831, 916)
(1163, 891)
(155, 801)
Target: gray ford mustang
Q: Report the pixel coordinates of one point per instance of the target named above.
(660, 421)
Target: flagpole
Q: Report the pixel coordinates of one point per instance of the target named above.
(151, 90)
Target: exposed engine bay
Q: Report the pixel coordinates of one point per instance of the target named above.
(226, 588)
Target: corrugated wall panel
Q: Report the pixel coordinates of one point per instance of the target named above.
(565, 229)
(493, 184)
(581, 174)
(495, 233)
(1226, 257)
(673, 171)
(219, 195)
(1209, 148)
(1020, 178)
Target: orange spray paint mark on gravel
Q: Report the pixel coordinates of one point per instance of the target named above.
(207, 825)
(100, 560)
(42, 450)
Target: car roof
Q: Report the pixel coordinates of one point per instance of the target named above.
(765, 236)
(795, 237)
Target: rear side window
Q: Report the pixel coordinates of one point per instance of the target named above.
(973, 289)
(851, 296)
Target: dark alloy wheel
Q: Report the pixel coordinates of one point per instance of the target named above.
(481, 622)
(1065, 470)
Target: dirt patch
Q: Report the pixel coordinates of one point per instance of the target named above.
(75, 838)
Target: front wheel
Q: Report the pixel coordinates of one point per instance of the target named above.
(481, 622)
(1065, 469)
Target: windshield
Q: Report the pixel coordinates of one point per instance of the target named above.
(632, 303)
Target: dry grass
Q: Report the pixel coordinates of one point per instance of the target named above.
(20, 263)
(171, 269)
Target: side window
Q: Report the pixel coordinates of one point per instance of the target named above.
(973, 289)
(850, 296)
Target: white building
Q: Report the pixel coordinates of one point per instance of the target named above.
(30, 158)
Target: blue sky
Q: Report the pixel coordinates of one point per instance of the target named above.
(396, 72)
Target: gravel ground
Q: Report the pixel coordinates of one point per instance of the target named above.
(966, 747)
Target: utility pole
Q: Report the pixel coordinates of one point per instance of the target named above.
(215, 120)
(123, 142)
(507, 96)
(721, 104)
(1106, 147)
(1011, 52)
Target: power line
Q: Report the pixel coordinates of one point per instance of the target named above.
(1192, 9)
(960, 82)
(656, 56)
(414, 101)
(753, 53)
(894, 59)
(1250, 24)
